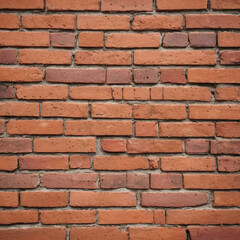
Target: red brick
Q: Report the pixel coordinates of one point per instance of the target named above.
(159, 217)
(175, 40)
(24, 39)
(9, 21)
(157, 111)
(115, 180)
(226, 199)
(126, 5)
(197, 146)
(78, 161)
(44, 57)
(103, 58)
(133, 40)
(187, 94)
(227, 94)
(2, 126)
(212, 21)
(175, 57)
(34, 233)
(146, 129)
(145, 75)
(90, 39)
(181, 4)
(105, 110)
(230, 57)
(219, 112)
(8, 163)
(202, 39)
(98, 233)
(44, 199)
(12, 74)
(6, 91)
(68, 217)
(41, 92)
(228, 129)
(43, 162)
(166, 181)
(125, 216)
(203, 217)
(228, 39)
(191, 164)
(59, 21)
(157, 233)
(136, 93)
(114, 145)
(61, 145)
(186, 199)
(98, 128)
(225, 147)
(15, 145)
(18, 216)
(151, 22)
(65, 109)
(228, 164)
(214, 75)
(137, 181)
(119, 76)
(71, 75)
(211, 233)
(187, 129)
(102, 199)
(91, 93)
(154, 146)
(103, 22)
(225, 4)
(209, 181)
(175, 76)
(22, 181)
(16, 4)
(120, 163)
(63, 40)
(8, 199)
(70, 180)
(72, 5)
(35, 127)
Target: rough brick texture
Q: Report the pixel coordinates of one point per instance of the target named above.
(119, 119)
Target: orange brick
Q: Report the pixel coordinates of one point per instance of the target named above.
(151, 22)
(90, 39)
(103, 58)
(224, 4)
(48, 21)
(60, 145)
(44, 57)
(35, 127)
(98, 128)
(226, 199)
(9, 199)
(146, 129)
(102, 199)
(20, 109)
(181, 4)
(126, 5)
(8, 163)
(227, 94)
(136, 93)
(103, 22)
(24, 39)
(228, 39)
(44, 199)
(16, 4)
(114, 145)
(175, 57)
(133, 40)
(78, 161)
(125, 216)
(12, 74)
(9, 21)
(41, 92)
(43, 162)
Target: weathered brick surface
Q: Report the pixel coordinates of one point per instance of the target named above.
(119, 119)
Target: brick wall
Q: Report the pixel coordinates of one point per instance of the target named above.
(119, 119)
